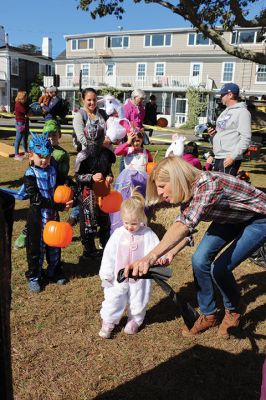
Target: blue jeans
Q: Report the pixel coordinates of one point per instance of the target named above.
(245, 238)
(75, 213)
(121, 164)
(21, 137)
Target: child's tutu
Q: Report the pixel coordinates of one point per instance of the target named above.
(128, 179)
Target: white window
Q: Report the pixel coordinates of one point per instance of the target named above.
(69, 70)
(14, 66)
(261, 74)
(141, 71)
(242, 37)
(198, 39)
(159, 69)
(85, 68)
(82, 44)
(110, 69)
(158, 40)
(228, 72)
(117, 41)
(195, 70)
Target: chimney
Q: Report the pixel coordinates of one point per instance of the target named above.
(47, 47)
(6, 38)
(2, 36)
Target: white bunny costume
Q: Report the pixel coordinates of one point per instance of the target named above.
(123, 248)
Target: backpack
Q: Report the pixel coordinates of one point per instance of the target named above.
(63, 108)
(76, 144)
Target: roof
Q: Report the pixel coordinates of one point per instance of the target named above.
(24, 52)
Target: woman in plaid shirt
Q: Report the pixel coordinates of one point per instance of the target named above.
(238, 214)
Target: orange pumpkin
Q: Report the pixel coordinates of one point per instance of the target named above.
(162, 122)
(150, 166)
(111, 203)
(57, 234)
(101, 188)
(63, 194)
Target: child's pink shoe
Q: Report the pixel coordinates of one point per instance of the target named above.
(131, 327)
(106, 330)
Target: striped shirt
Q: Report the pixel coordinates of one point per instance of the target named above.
(222, 198)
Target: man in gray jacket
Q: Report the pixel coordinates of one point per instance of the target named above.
(232, 134)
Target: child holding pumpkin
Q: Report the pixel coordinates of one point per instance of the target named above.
(126, 244)
(136, 159)
(40, 182)
(93, 164)
(61, 158)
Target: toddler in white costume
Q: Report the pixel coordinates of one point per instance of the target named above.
(127, 244)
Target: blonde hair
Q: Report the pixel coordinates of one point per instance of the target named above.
(21, 96)
(134, 206)
(179, 173)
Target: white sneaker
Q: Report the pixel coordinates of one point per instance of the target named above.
(106, 330)
(131, 327)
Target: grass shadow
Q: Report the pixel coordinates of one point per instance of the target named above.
(199, 373)
(82, 269)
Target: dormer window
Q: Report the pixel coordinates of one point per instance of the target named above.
(158, 40)
(117, 42)
(198, 39)
(82, 44)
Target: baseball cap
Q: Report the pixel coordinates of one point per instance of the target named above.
(229, 87)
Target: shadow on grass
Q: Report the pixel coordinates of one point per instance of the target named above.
(82, 269)
(21, 214)
(200, 373)
(165, 310)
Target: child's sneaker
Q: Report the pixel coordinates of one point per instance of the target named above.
(18, 158)
(131, 327)
(20, 243)
(34, 286)
(106, 330)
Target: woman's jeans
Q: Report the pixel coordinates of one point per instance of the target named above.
(21, 137)
(245, 238)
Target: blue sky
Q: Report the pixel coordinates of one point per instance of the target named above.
(28, 21)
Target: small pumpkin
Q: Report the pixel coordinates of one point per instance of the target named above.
(162, 122)
(57, 234)
(101, 188)
(150, 167)
(110, 203)
(63, 194)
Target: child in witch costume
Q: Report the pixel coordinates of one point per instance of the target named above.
(93, 165)
(40, 182)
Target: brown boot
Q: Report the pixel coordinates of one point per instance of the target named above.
(203, 323)
(231, 320)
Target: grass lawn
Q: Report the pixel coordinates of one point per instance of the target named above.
(58, 355)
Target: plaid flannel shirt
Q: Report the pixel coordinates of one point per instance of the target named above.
(221, 198)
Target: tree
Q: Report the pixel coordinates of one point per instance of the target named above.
(31, 48)
(196, 105)
(211, 17)
(35, 91)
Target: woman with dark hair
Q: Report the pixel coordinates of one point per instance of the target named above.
(89, 121)
(22, 123)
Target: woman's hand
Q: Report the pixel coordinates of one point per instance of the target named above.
(166, 259)
(97, 177)
(69, 204)
(140, 267)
